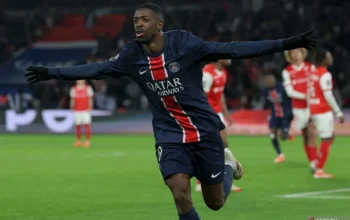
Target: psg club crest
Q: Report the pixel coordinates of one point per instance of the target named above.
(174, 67)
(114, 58)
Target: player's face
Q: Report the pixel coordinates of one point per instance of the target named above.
(146, 24)
(225, 63)
(270, 81)
(329, 59)
(296, 55)
(80, 82)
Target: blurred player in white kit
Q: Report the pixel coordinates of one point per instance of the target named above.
(81, 102)
(214, 81)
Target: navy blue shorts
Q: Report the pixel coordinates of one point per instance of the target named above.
(205, 159)
(281, 123)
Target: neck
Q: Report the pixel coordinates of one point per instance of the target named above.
(156, 45)
(218, 66)
(298, 63)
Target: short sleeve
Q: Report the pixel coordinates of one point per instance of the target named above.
(71, 92)
(326, 82)
(286, 78)
(90, 91)
(207, 81)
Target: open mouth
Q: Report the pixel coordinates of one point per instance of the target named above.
(139, 33)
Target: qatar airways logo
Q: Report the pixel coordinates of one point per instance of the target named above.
(166, 87)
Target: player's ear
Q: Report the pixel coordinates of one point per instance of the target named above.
(160, 25)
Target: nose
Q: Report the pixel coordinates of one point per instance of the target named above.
(138, 24)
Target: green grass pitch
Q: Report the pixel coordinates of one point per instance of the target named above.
(45, 178)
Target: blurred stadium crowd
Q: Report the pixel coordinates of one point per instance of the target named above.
(22, 24)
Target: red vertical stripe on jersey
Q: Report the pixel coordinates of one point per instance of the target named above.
(159, 72)
(277, 105)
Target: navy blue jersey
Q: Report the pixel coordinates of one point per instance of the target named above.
(278, 101)
(172, 80)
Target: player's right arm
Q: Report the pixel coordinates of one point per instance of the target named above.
(326, 85)
(71, 95)
(115, 67)
(287, 83)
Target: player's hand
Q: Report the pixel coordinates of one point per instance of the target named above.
(37, 74)
(229, 121)
(301, 41)
(340, 116)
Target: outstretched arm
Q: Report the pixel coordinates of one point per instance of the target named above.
(87, 71)
(211, 51)
(115, 67)
(243, 50)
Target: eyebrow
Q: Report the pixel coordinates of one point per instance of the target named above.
(142, 16)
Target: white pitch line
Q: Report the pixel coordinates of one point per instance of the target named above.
(327, 197)
(316, 193)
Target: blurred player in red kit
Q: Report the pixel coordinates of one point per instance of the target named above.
(81, 103)
(322, 105)
(214, 81)
(295, 78)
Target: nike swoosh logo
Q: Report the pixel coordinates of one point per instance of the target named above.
(216, 175)
(142, 72)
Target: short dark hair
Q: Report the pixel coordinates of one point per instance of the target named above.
(155, 8)
(319, 56)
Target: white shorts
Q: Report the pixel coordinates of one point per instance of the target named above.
(222, 117)
(301, 118)
(324, 124)
(82, 117)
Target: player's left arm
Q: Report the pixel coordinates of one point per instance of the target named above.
(225, 111)
(326, 85)
(212, 51)
(91, 98)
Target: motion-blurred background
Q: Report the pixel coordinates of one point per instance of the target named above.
(71, 32)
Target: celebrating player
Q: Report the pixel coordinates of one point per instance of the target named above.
(166, 66)
(214, 81)
(281, 113)
(295, 77)
(322, 103)
(81, 102)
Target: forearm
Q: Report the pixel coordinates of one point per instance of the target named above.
(332, 102)
(224, 105)
(71, 104)
(87, 71)
(294, 94)
(91, 103)
(246, 49)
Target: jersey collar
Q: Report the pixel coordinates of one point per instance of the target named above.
(298, 68)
